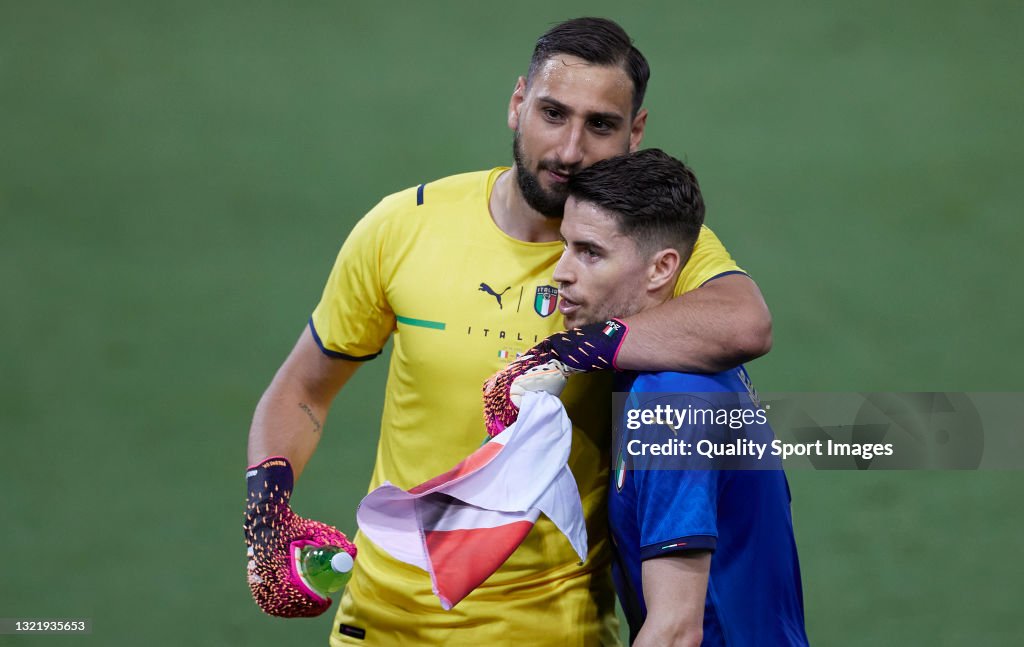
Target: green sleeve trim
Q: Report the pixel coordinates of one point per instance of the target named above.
(422, 323)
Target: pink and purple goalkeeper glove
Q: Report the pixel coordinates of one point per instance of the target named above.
(592, 347)
(273, 535)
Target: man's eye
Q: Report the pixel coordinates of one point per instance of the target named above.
(600, 125)
(552, 114)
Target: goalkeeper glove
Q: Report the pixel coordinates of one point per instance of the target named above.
(592, 347)
(273, 533)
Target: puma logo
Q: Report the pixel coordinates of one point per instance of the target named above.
(486, 288)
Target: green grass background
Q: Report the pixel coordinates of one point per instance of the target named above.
(176, 178)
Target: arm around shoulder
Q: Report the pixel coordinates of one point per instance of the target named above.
(721, 324)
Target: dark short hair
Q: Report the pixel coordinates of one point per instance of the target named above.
(596, 40)
(654, 198)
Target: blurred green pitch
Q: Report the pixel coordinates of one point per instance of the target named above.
(175, 181)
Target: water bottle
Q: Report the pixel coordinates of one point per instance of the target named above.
(325, 569)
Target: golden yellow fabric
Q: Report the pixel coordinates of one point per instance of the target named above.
(461, 298)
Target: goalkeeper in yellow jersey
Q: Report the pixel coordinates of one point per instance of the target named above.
(458, 271)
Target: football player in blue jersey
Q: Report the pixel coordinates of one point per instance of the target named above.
(704, 555)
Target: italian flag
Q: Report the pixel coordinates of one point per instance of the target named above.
(462, 525)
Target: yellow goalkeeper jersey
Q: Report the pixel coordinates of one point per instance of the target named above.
(430, 266)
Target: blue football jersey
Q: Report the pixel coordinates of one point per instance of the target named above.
(663, 505)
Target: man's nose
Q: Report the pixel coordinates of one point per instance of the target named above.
(570, 152)
(563, 273)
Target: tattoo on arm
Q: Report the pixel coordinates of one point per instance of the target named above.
(312, 417)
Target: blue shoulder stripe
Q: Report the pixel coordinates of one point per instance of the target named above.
(335, 354)
(419, 194)
(718, 276)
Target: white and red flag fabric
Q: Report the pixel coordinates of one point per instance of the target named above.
(462, 525)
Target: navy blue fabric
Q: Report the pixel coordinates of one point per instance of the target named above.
(754, 594)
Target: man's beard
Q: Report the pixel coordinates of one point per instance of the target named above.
(549, 204)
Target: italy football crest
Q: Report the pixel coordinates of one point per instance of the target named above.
(546, 300)
(620, 473)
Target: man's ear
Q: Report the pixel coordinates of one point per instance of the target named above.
(636, 130)
(516, 102)
(663, 268)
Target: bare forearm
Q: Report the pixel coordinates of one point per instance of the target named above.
(674, 588)
(712, 328)
(285, 424)
(290, 417)
(668, 636)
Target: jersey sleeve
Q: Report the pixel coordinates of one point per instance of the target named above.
(676, 511)
(353, 319)
(676, 497)
(709, 260)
